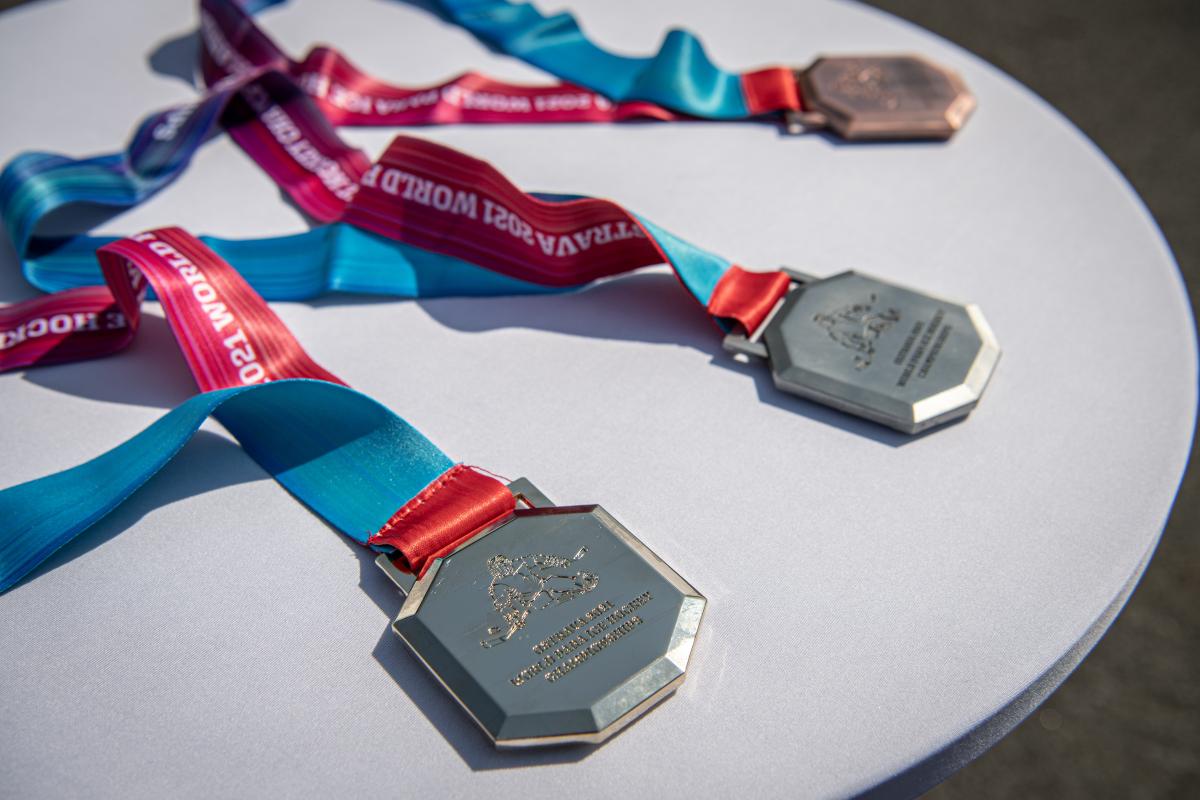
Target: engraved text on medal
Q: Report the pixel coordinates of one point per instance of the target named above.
(582, 638)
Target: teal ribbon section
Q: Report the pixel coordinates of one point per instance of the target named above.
(343, 258)
(679, 76)
(342, 454)
(332, 258)
(699, 269)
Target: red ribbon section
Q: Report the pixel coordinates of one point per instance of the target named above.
(439, 199)
(747, 296)
(770, 90)
(232, 44)
(348, 96)
(228, 334)
(278, 126)
(431, 196)
(446, 513)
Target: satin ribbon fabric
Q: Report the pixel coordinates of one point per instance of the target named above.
(233, 44)
(284, 131)
(389, 241)
(236, 54)
(359, 466)
(423, 221)
(680, 76)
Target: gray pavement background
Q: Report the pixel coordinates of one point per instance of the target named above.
(1127, 722)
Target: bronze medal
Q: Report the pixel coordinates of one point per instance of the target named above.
(882, 97)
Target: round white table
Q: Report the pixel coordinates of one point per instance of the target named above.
(881, 608)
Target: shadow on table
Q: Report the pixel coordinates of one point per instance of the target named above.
(450, 720)
(210, 462)
(150, 372)
(13, 287)
(645, 307)
(177, 57)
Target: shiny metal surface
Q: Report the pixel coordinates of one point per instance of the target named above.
(556, 626)
(882, 97)
(890, 354)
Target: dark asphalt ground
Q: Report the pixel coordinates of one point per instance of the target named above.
(1127, 723)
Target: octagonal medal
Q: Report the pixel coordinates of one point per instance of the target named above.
(884, 352)
(556, 626)
(893, 355)
(886, 97)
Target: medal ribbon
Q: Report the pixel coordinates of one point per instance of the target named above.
(367, 472)
(385, 241)
(679, 76)
(281, 129)
(438, 199)
(398, 236)
(237, 55)
(232, 44)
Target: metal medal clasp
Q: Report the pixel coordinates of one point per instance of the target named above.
(881, 97)
(893, 355)
(557, 625)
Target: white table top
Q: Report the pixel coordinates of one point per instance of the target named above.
(903, 602)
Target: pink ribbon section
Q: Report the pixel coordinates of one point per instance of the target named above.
(228, 334)
(439, 199)
(67, 326)
(232, 44)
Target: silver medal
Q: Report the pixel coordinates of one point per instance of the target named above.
(556, 626)
(896, 356)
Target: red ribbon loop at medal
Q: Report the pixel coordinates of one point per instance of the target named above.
(449, 511)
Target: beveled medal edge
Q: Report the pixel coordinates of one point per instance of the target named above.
(416, 596)
(663, 568)
(677, 655)
(962, 109)
(597, 737)
(680, 645)
(904, 424)
(932, 411)
(989, 354)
